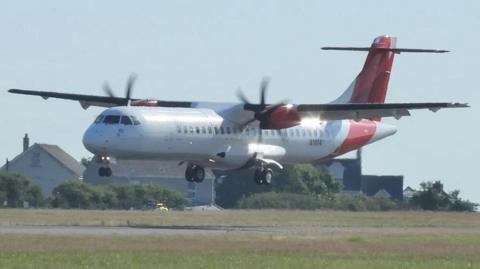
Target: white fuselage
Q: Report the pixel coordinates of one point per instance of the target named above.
(210, 138)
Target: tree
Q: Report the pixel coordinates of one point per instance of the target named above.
(72, 194)
(15, 189)
(303, 179)
(306, 179)
(76, 194)
(432, 197)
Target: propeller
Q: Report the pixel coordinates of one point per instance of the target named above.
(128, 89)
(261, 111)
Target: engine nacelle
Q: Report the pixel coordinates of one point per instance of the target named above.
(281, 117)
(144, 102)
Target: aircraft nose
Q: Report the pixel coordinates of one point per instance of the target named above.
(93, 140)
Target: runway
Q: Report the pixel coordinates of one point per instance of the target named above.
(315, 229)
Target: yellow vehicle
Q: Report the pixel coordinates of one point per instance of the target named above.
(161, 207)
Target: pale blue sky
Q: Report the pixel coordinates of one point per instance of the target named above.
(205, 50)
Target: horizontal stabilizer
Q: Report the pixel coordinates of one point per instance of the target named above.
(395, 50)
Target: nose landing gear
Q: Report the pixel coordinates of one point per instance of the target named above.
(104, 171)
(194, 173)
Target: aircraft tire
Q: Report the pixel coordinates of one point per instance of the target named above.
(189, 173)
(101, 171)
(257, 177)
(198, 174)
(267, 176)
(108, 171)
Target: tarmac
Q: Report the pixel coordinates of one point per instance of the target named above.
(316, 229)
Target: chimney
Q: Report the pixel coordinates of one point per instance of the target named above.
(359, 159)
(26, 142)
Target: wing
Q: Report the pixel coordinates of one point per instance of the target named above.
(101, 101)
(368, 111)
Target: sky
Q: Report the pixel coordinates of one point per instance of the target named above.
(206, 50)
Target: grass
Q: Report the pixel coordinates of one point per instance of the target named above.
(237, 218)
(350, 240)
(239, 250)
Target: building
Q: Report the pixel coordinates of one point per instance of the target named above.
(46, 165)
(167, 174)
(383, 186)
(349, 172)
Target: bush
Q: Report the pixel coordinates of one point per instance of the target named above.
(76, 194)
(15, 189)
(136, 196)
(361, 202)
(279, 201)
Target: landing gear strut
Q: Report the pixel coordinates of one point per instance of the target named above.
(194, 173)
(263, 175)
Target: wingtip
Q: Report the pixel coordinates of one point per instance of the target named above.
(459, 105)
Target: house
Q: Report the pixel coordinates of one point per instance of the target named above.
(408, 193)
(349, 172)
(46, 165)
(167, 174)
(378, 186)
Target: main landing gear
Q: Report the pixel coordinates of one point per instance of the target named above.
(263, 175)
(194, 173)
(105, 170)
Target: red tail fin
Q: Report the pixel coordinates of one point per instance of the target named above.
(370, 86)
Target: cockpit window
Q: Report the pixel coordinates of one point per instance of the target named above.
(111, 119)
(135, 121)
(99, 119)
(126, 120)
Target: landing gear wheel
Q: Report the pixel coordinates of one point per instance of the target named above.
(198, 174)
(101, 171)
(189, 173)
(263, 176)
(258, 176)
(108, 171)
(267, 176)
(105, 172)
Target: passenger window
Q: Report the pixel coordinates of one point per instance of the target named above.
(179, 129)
(110, 119)
(99, 119)
(309, 132)
(290, 132)
(204, 131)
(126, 120)
(191, 129)
(297, 132)
(315, 133)
(209, 129)
(135, 121)
(229, 131)
(185, 130)
(197, 129)
(216, 130)
(303, 132)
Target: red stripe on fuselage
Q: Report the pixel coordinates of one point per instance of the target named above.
(359, 134)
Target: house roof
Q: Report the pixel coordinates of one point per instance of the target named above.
(63, 158)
